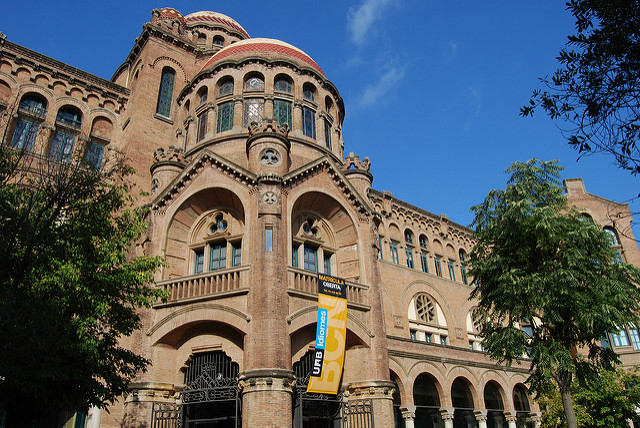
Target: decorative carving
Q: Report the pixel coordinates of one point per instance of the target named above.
(353, 161)
(172, 154)
(270, 198)
(268, 125)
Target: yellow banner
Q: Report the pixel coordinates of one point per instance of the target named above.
(331, 336)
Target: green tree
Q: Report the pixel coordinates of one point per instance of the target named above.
(595, 92)
(69, 287)
(535, 261)
(607, 400)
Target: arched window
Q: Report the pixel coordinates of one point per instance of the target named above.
(463, 267)
(309, 92)
(311, 248)
(474, 325)
(613, 236)
(68, 123)
(202, 41)
(585, 217)
(462, 401)
(328, 104)
(217, 246)
(426, 320)
(308, 122)
(202, 96)
(225, 87)
(282, 84)
(165, 92)
(494, 405)
(254, 83)
(31, 111)
(427, 402)
(218, 41)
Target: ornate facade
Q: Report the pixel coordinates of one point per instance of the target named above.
(238, 142)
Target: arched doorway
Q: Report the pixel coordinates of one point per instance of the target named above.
(398, 422)
(427, 402)
(311, 410)
(494, 405)
(211, 397)
(521, 405)
(463, 416)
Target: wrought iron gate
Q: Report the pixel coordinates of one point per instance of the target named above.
(211, 398)
(326, 411)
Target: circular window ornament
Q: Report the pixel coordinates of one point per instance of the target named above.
(219, 225)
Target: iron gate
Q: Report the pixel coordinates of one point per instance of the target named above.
(210, 399)
(323, 410)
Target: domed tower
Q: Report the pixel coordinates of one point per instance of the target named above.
(251, 200)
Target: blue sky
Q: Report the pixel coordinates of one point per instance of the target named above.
(432, 88)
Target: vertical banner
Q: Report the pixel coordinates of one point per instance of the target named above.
(331, 335)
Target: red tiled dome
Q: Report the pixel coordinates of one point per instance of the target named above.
(271, 47)
(215, 17)
(171, 13)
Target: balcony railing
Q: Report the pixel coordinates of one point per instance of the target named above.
(305, 281)
(206, 284)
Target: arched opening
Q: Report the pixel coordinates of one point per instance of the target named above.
(494, 405)
(427, 402)
(211, 396)
(311, 410)
(68, 123)
(522, 408)
(397, 401)
(31, 112)
(462, 400)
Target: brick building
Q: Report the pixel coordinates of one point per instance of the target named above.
(238, 142)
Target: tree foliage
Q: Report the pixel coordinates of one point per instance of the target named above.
(537, 262)
(69, 289)
(607, 400)
(596, 89)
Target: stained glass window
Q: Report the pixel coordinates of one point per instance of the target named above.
(218, 256)
(309, 122)
(327, 133)
(255, 83)
(95, 153)
(62, 146)
(202, 125)
(282, 84)
(225, 116)
(24, 136)
(226, 87)
(165, 92)
(309, 92)
(253, 110)
(282, 112)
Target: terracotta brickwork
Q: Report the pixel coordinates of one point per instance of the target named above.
(240, 150)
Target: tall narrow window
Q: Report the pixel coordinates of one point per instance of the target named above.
(409, 258)
(327, 264)
(380, 248)
(309, 122)
(218, 256)
(635, 338)
(310, 258)
(225, 117)
(294, 256)
(463, 274)
(436, 261)
(253, 110)
(202, 125)
(268, 239)
(95, 152)
(199, 261)
(327, 133)
(236, 255)
(68, 122)
(24, 135)
(282, 112)
(165, 93)
(425, 263)
(452, 272)
(394, 252)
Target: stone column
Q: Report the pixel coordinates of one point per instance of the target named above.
(211, 121)
(381, 395)
(511, 418)
(139, 403)
(409, 415)
(447, 417)
(238, 114)
(536, 418)
(481, 417)
(297, 119)
(266, 397)
(190, 132)
(268, 107)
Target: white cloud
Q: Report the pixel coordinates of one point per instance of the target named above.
(361, 19)
(451, 53)
(373, 94)
(476, 99)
